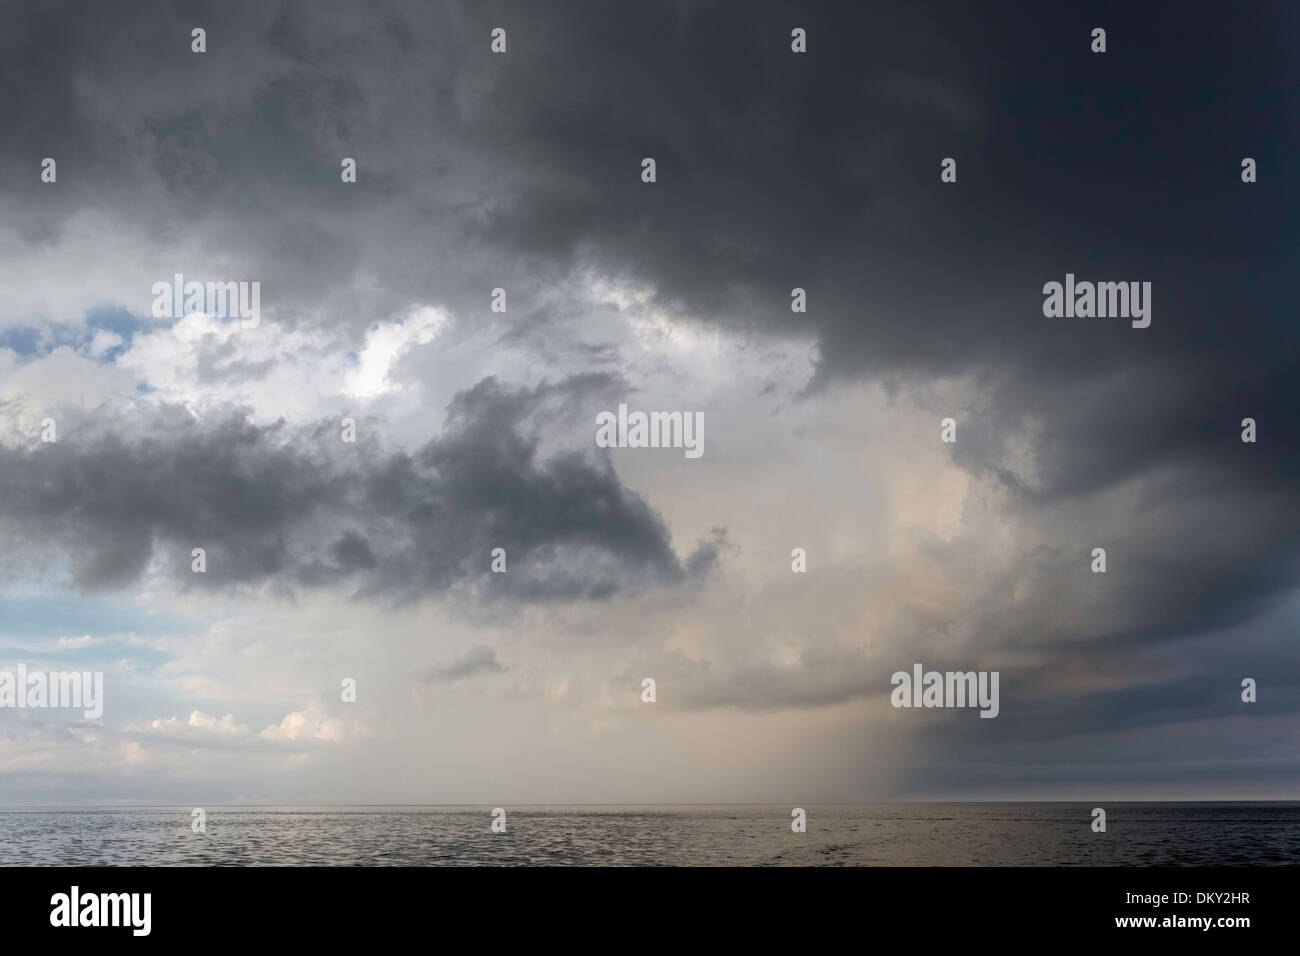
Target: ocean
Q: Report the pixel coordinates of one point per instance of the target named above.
(897, 834)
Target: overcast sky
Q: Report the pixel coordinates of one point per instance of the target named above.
(475, 430)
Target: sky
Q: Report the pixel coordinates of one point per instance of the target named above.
(370, 561)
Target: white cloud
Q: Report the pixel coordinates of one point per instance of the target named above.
(309, 724)
(75, 642)
(198, 723)
(386, 343)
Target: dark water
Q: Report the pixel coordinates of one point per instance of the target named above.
(930, 834)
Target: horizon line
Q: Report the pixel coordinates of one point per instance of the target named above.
(854, 803)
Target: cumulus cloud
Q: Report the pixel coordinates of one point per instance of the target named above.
(309, 724)
(198, 724)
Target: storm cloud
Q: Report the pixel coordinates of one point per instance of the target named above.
(775, 171)
(269, 503)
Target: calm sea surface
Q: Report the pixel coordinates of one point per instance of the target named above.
(930, 834)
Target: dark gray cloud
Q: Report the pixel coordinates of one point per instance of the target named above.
(300, 507)
(776, 170)
(479, 660)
